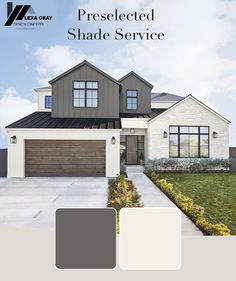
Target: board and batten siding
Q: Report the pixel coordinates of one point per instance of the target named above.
(62, 95)
(144, 95)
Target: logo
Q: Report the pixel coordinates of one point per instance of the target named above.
(24, 16)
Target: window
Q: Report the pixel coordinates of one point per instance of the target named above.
(132, 99)
(140, 148)
(48, 102)
(189, 141)
(85, 94)
(123, 149)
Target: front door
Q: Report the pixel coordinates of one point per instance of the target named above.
(132, 149)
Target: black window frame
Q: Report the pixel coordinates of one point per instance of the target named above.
(85, 93)
(199, 134)
(140, 147)
(136, 98)
(46, 103)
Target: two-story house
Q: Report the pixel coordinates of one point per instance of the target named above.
(87, 123)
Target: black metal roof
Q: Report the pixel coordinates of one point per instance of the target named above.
(155, 112)
(41, 119)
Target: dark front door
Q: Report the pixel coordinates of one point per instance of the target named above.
(132, 148)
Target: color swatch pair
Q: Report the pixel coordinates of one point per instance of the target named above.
(149, 238)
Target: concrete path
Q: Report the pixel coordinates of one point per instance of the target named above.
(151, 196)
(32, 202)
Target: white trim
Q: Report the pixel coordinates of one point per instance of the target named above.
(196, 100)
(134, 123)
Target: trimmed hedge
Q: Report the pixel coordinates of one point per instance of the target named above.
(191, 165)
(193, 211)
(122, 193)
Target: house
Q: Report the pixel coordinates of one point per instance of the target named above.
(87, 123)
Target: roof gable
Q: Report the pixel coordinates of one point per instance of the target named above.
(138, 77)
(80, 65)
(196, 100)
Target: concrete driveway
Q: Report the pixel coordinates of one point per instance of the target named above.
(31, 202)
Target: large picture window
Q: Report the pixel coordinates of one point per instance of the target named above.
(132, 99)
(189, 141)
(85, 94)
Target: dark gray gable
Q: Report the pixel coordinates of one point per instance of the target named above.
(138, 77)
(80, 65)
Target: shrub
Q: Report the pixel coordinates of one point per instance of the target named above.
(186, 204)
(122, 193)
(192, 165)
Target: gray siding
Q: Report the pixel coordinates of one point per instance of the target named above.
(232, 152)
(108, 95)
(144, 95)
(3, 162)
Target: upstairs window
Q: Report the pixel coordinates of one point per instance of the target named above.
(85, 94)
(132, 99)
(189, 142)
(48, 102)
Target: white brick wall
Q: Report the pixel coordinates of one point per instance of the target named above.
(189, 112)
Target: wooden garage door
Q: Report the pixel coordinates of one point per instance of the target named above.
(65, 158)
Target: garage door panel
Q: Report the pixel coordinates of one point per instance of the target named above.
(89, 161)
(44, 158)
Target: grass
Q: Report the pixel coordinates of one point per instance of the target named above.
(214, 191)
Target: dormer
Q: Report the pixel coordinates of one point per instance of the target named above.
(135, 94)
(44, 98)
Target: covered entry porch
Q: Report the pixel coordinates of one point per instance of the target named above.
(133, 146)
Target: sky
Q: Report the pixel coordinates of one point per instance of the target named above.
(197, 55)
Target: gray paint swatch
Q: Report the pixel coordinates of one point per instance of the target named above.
(86, 238)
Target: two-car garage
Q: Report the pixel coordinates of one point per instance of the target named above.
(44, 146)
(65, 158)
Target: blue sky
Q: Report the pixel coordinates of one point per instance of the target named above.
(197, 55)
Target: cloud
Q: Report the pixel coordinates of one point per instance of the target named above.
(12, 108)
(187, 60)
(104, 5)
(56, 59)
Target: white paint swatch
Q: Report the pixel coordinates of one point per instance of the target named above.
(150, 239)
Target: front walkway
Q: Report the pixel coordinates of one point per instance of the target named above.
(151, 196)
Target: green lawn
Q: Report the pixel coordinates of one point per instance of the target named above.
(214, 191)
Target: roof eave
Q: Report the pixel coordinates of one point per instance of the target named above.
(136, 75)
(78, 66)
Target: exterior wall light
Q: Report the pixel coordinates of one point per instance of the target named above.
(113, 140)
(214, 135)
(13, 140)
(165, 135)
(132, 131)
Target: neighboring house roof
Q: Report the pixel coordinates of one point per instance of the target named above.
(155, 112)
(198, 101)
(137, 76)
(42, 120)
(43, 88)
(78, 66)
(165, 97)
